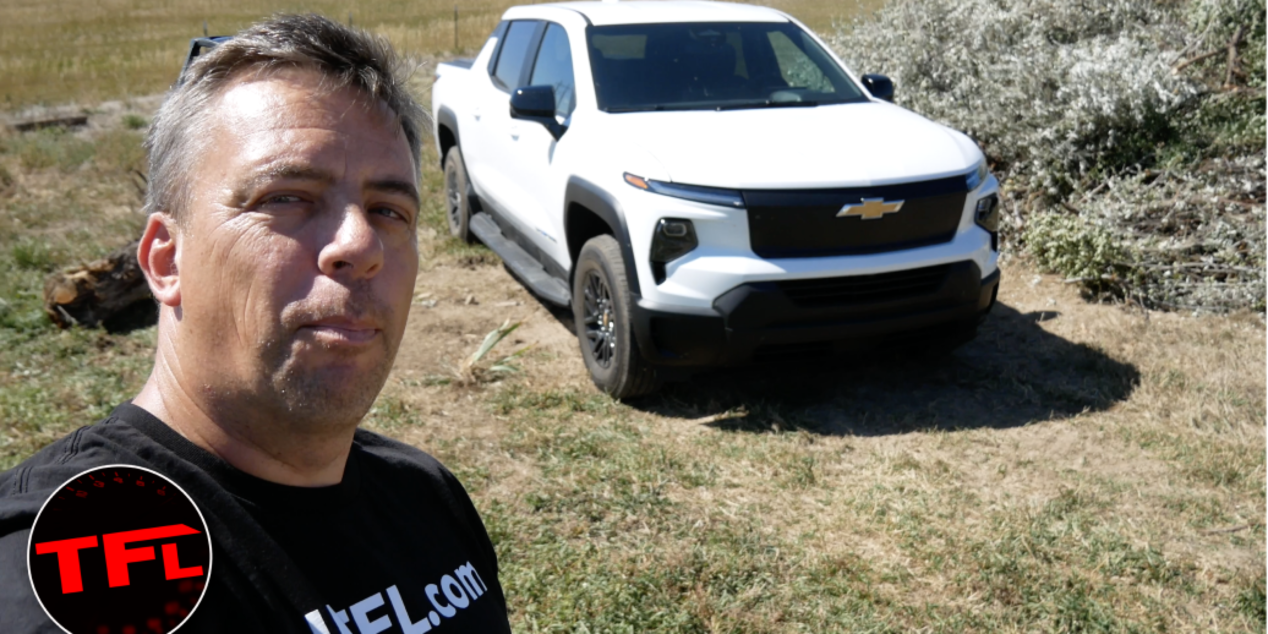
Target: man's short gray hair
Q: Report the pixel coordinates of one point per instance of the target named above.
(345, 57)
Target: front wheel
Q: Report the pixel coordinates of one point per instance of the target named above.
(601, 310)
(457, 196)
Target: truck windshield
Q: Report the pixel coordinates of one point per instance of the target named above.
(713, 66)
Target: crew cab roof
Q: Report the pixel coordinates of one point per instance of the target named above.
(659, 11)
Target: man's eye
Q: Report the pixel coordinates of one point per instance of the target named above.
(282, 199)
(390, 213)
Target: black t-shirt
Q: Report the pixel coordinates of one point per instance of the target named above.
(396, 542)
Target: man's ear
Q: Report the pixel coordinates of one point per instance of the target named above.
(157, 255)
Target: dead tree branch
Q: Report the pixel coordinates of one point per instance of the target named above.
(1232, 54)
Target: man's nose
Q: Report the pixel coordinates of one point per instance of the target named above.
(355, 249)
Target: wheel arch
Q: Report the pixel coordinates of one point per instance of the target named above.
(588, 212)
(446, 132)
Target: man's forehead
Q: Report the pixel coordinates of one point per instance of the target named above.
(291, 96)
(271, 123)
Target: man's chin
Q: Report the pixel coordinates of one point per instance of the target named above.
(335, 394)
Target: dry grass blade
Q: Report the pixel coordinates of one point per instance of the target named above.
(475, 370)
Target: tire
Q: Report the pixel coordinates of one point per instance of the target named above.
(457, 196)
(601, 310)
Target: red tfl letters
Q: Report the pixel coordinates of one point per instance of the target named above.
(118, 555)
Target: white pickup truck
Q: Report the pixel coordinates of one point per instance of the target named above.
(706, 184)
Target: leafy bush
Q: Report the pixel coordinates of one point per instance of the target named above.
(1048, 86)
(1190, 238)
(1073, 247)
(1131, 151)
(134, 121)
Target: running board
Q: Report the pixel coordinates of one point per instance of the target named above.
(523, 265)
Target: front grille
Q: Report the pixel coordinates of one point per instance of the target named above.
(865, 289)
(804, 223)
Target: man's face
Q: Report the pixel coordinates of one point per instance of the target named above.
(297, 253)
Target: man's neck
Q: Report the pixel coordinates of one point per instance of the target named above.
(247, 443)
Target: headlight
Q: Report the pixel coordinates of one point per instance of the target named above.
(977, 176)
(987, 217)
(987, 213)
(706, 195)
(673, 238)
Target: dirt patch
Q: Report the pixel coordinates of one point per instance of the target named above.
(456, 305)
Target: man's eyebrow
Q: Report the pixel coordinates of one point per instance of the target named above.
(278, 171)
(394, 186)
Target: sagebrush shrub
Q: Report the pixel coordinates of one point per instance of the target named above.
(1048, 86)
(1119, 168)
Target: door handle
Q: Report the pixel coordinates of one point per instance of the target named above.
(475, 112)
(515, 132)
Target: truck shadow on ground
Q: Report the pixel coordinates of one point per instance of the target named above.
(1015, 373)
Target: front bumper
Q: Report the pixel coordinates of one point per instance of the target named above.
(770, 320)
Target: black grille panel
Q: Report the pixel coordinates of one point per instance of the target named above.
(804, 223)
(865, 289)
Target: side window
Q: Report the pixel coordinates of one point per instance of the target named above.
(554, 68)
(496, 38)
(796, 67)
(513, 52)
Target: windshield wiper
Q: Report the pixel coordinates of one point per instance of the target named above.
(660, 107)
(768, 104)
(728, 106)
(635, 109)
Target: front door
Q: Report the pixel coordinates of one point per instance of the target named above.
(531, 163)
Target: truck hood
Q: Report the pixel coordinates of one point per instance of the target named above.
(845, 145)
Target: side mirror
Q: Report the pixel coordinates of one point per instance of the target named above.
(537, 104)
(880, 86)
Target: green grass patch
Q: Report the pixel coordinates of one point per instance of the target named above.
(53, 148)
(135, 121)
(53, 381)
(1250, 601)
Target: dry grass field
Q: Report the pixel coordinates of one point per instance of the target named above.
(54, 52)
(1077, 468)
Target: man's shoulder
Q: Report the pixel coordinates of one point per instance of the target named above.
(24, 488)
(394, 455)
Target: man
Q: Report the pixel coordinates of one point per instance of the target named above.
(281, 247)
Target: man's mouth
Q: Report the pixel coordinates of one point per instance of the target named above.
(337, 331)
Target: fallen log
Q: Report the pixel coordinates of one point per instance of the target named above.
(110, 293)
(73, 121)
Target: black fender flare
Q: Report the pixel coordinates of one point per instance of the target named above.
(582, 192)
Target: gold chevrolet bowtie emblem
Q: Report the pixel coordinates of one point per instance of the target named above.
(870, 208)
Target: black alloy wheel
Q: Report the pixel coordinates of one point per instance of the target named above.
(600, 322)
(601, 304)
